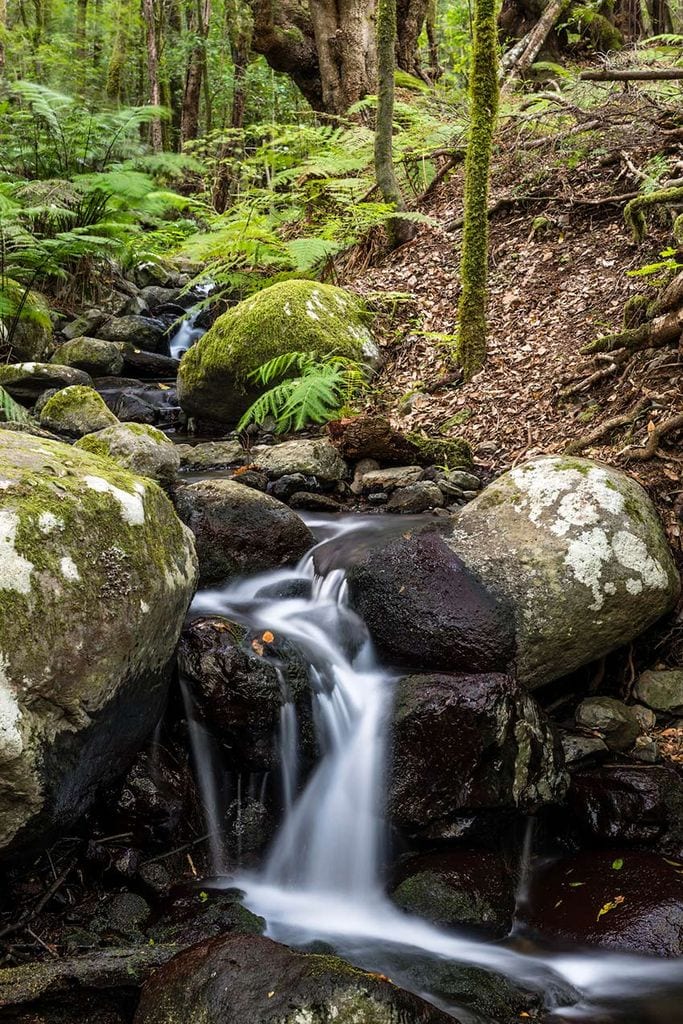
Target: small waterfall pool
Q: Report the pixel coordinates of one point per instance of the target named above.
(322, 879)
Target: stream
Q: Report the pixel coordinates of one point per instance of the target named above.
(322, 879)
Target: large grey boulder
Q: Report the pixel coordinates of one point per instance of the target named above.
(578, 551)
(27, 381)
(96, 574)
(137, 447)
(94, 356)
(309, 456)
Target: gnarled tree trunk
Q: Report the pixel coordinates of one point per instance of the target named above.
(327, 47)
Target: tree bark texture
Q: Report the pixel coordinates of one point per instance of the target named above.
(148, 11)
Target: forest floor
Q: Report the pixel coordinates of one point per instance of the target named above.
(560, 257)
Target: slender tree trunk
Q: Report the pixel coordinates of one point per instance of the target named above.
(435, 69)
(484, 95)
(3, 31)
(81, 28)
(117, 60)
(156, 138)
(97, 35)
(196, 67)
(240, 29)
(660, 17)
(175, 78)
(398, 229)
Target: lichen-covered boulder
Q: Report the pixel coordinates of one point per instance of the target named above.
(248, 979)
(94, 356)
(211, 455)
(308, 456)
(76, 410)
(137, 447)
(96, 573)
(27, 381)
(462, 744)
(238, 530)
(293, 316)
(578, 551)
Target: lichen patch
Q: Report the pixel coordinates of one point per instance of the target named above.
(631, 552)
(69, 569)
(47, 523)
(586, 556)
(132, 508)
(11, 743)
(15, 570)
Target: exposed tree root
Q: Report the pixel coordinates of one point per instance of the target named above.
(663, 330)
(659, 430)
(601, 431)
(634, 211)
(594, 378)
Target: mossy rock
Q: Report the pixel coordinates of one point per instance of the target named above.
(32, 338)
(96, 574)
(137, 447)
(453, 452)
(578, 551)
(293, 316)
(94, 356)
(76, 410)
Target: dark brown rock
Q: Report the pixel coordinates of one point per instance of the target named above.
(464, 743)
(426, 610)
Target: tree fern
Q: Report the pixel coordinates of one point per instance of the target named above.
(11, 411)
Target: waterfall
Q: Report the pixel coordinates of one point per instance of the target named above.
(322, 878)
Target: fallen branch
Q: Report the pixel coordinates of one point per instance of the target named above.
(659, 430)
(601, 431)
(632, 75)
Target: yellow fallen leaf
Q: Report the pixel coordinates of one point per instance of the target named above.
(267, 637)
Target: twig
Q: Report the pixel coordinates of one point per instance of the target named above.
(648, 450)
(32, 913)
(632, 75)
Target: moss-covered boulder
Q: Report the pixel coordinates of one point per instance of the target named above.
(32, 335)
(293, 316)
(96, 573)
(137, 447)
(578, 551)
(98, 358)
(28, 381)
(76, 410)
(248, 979)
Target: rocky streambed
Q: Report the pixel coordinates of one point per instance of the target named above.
(435, 743)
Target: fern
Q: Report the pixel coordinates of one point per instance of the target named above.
(11, 411)
(316, 395)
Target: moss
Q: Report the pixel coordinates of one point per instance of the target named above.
(602, 33)
(634, 212)
(292, 316)
(484, 95)
(453, 452)
(77, 409)
(636, 311)
(428, 895)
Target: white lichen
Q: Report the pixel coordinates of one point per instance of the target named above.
(631, 552)
(69, 569)
(586, 556)
(47, 522)
(15, 570)
(11, 743)
(132, 508)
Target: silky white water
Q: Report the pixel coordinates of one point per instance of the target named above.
(322, 878)
(188, 332)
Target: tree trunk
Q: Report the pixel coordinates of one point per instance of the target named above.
(484, 95)
(240, 29)
(148, 12)
(660, 17)
(3, 30)
(327, 47)
(189, 122)
(81, 28)
(175, 78)
(398, 230)
(97, 35)
(537, 37)
(117, 60)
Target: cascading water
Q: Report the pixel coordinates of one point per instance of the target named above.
(188, 331)
(322, 877)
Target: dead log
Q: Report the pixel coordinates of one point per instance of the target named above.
(631, 75)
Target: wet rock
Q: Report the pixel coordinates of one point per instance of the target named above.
(378, 498)
(137, 447)
(149, 365)
(150, 274)
(156, 295)
(122, 916)
(463, 743)
(211, 455)
(250, 477)
(142, 332)
(85, 324)
(314, 457)
(578, 551)
(97, 575)
(465, 481)
(32, 337)
(238, 530)
(630, 803)
(662, 690)
(287, 485)
(310, 501)
(461, 889)
(250, 979)
(416, 498)
(96, 357)
(27, 381)
(135, 402)
(154, 799)
(423, 607)
(390, 479)
(578, 748)
(75, 411)
(646, 749)
(240, 682)
(616, 723)
(617, 899)
(199, 913)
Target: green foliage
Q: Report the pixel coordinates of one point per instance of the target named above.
(321, 388)
(11, 411)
